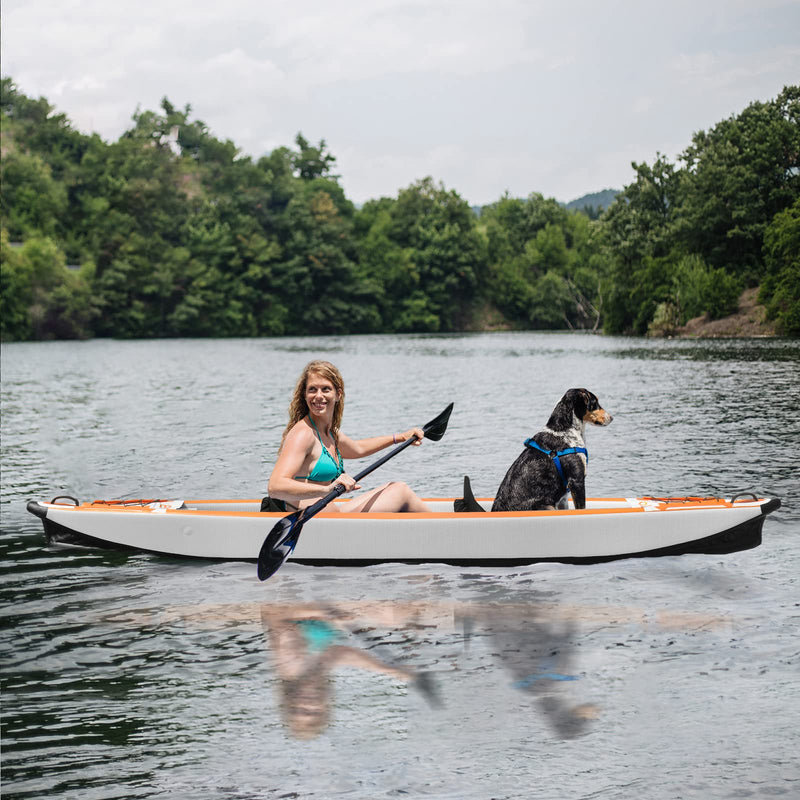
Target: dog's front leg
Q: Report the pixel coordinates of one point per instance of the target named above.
(578, 489)
(533, 504)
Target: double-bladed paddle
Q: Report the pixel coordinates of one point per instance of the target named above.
(282, 539)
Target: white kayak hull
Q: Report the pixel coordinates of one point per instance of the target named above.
(607, 529)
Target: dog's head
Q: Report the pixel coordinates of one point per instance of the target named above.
(581, 404)
(587, 407)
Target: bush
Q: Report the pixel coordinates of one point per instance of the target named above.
(665, 320)
(781, 290)
(700, 290)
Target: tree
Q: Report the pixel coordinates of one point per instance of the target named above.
(312, 162)
(39, 297)
(425, 251)
(31, 201)
(180, 234)
(638, 240)
(739, 175)
(544, 263)
(15, 293)
(781, 289)
(547, 251)
(550, 301)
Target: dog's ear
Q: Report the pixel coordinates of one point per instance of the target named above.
(578, 401)
(589, 400)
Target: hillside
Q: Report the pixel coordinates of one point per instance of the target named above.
(595, 200)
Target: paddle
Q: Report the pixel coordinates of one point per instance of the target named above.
(282, 539)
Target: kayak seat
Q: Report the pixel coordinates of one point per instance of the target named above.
(467, 503)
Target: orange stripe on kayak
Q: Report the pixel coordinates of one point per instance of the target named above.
(654, 504)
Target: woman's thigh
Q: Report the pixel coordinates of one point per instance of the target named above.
(384, 498)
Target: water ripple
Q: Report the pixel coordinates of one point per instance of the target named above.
(133, 676)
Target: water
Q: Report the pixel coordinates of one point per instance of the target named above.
(134, 676)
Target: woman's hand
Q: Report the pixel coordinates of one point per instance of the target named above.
(405, 435)
(348, 482)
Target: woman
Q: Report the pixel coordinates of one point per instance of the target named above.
(310, 460)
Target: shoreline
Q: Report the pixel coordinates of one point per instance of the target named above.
(750, 321)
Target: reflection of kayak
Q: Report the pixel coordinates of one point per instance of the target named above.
(607, 529)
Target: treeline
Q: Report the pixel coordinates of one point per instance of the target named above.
(170, 231)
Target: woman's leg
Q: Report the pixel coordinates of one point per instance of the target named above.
(394, 496)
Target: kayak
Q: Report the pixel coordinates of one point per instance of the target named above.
(607, 529)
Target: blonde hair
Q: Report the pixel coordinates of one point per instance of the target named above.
(298, 408)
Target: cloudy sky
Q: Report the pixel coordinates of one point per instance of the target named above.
(486, 96)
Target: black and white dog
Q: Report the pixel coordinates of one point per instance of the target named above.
(553, 463)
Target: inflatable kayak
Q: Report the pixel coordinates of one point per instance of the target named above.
(607, 529)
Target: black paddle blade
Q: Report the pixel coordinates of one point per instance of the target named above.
(434, 430)
(278, 545)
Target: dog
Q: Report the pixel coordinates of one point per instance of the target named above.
(553, 463)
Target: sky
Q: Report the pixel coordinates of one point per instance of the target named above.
(484, 96)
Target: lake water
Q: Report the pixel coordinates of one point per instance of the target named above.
(135, 676)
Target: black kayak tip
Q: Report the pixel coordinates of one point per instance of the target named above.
(35, 507)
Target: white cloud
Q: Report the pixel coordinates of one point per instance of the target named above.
(526, 95)
(326, 43)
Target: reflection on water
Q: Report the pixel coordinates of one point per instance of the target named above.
(537, 645)
(540, 655)
(306, 644)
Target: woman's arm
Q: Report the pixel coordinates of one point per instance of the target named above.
(296, 453)
(340, 655)
(358, 448)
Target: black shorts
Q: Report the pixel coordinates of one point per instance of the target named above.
(270, 505)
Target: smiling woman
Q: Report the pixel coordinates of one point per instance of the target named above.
(311, 458)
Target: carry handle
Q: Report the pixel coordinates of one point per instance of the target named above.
(742, 494)
(65, 497)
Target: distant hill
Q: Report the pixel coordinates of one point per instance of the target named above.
(595, 200)
(595, 203)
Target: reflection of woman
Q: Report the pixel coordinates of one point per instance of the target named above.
(306, 648)
(310, 460)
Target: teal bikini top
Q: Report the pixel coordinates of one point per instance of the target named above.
(326, 469)
(318, 634)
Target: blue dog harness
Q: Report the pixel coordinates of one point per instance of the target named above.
(556, 455)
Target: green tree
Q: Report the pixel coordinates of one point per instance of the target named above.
(740, 174)
(544, 264)
(312, 162)
(638, 238)
(40, 298)
(510, 290)
(179, 234)
(781, 289)
(425, 250)
(15, 293)
(547, 251)
(695, 289)
(550, 302)
(31, 200)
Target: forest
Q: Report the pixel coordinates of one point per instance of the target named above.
(170, 232)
